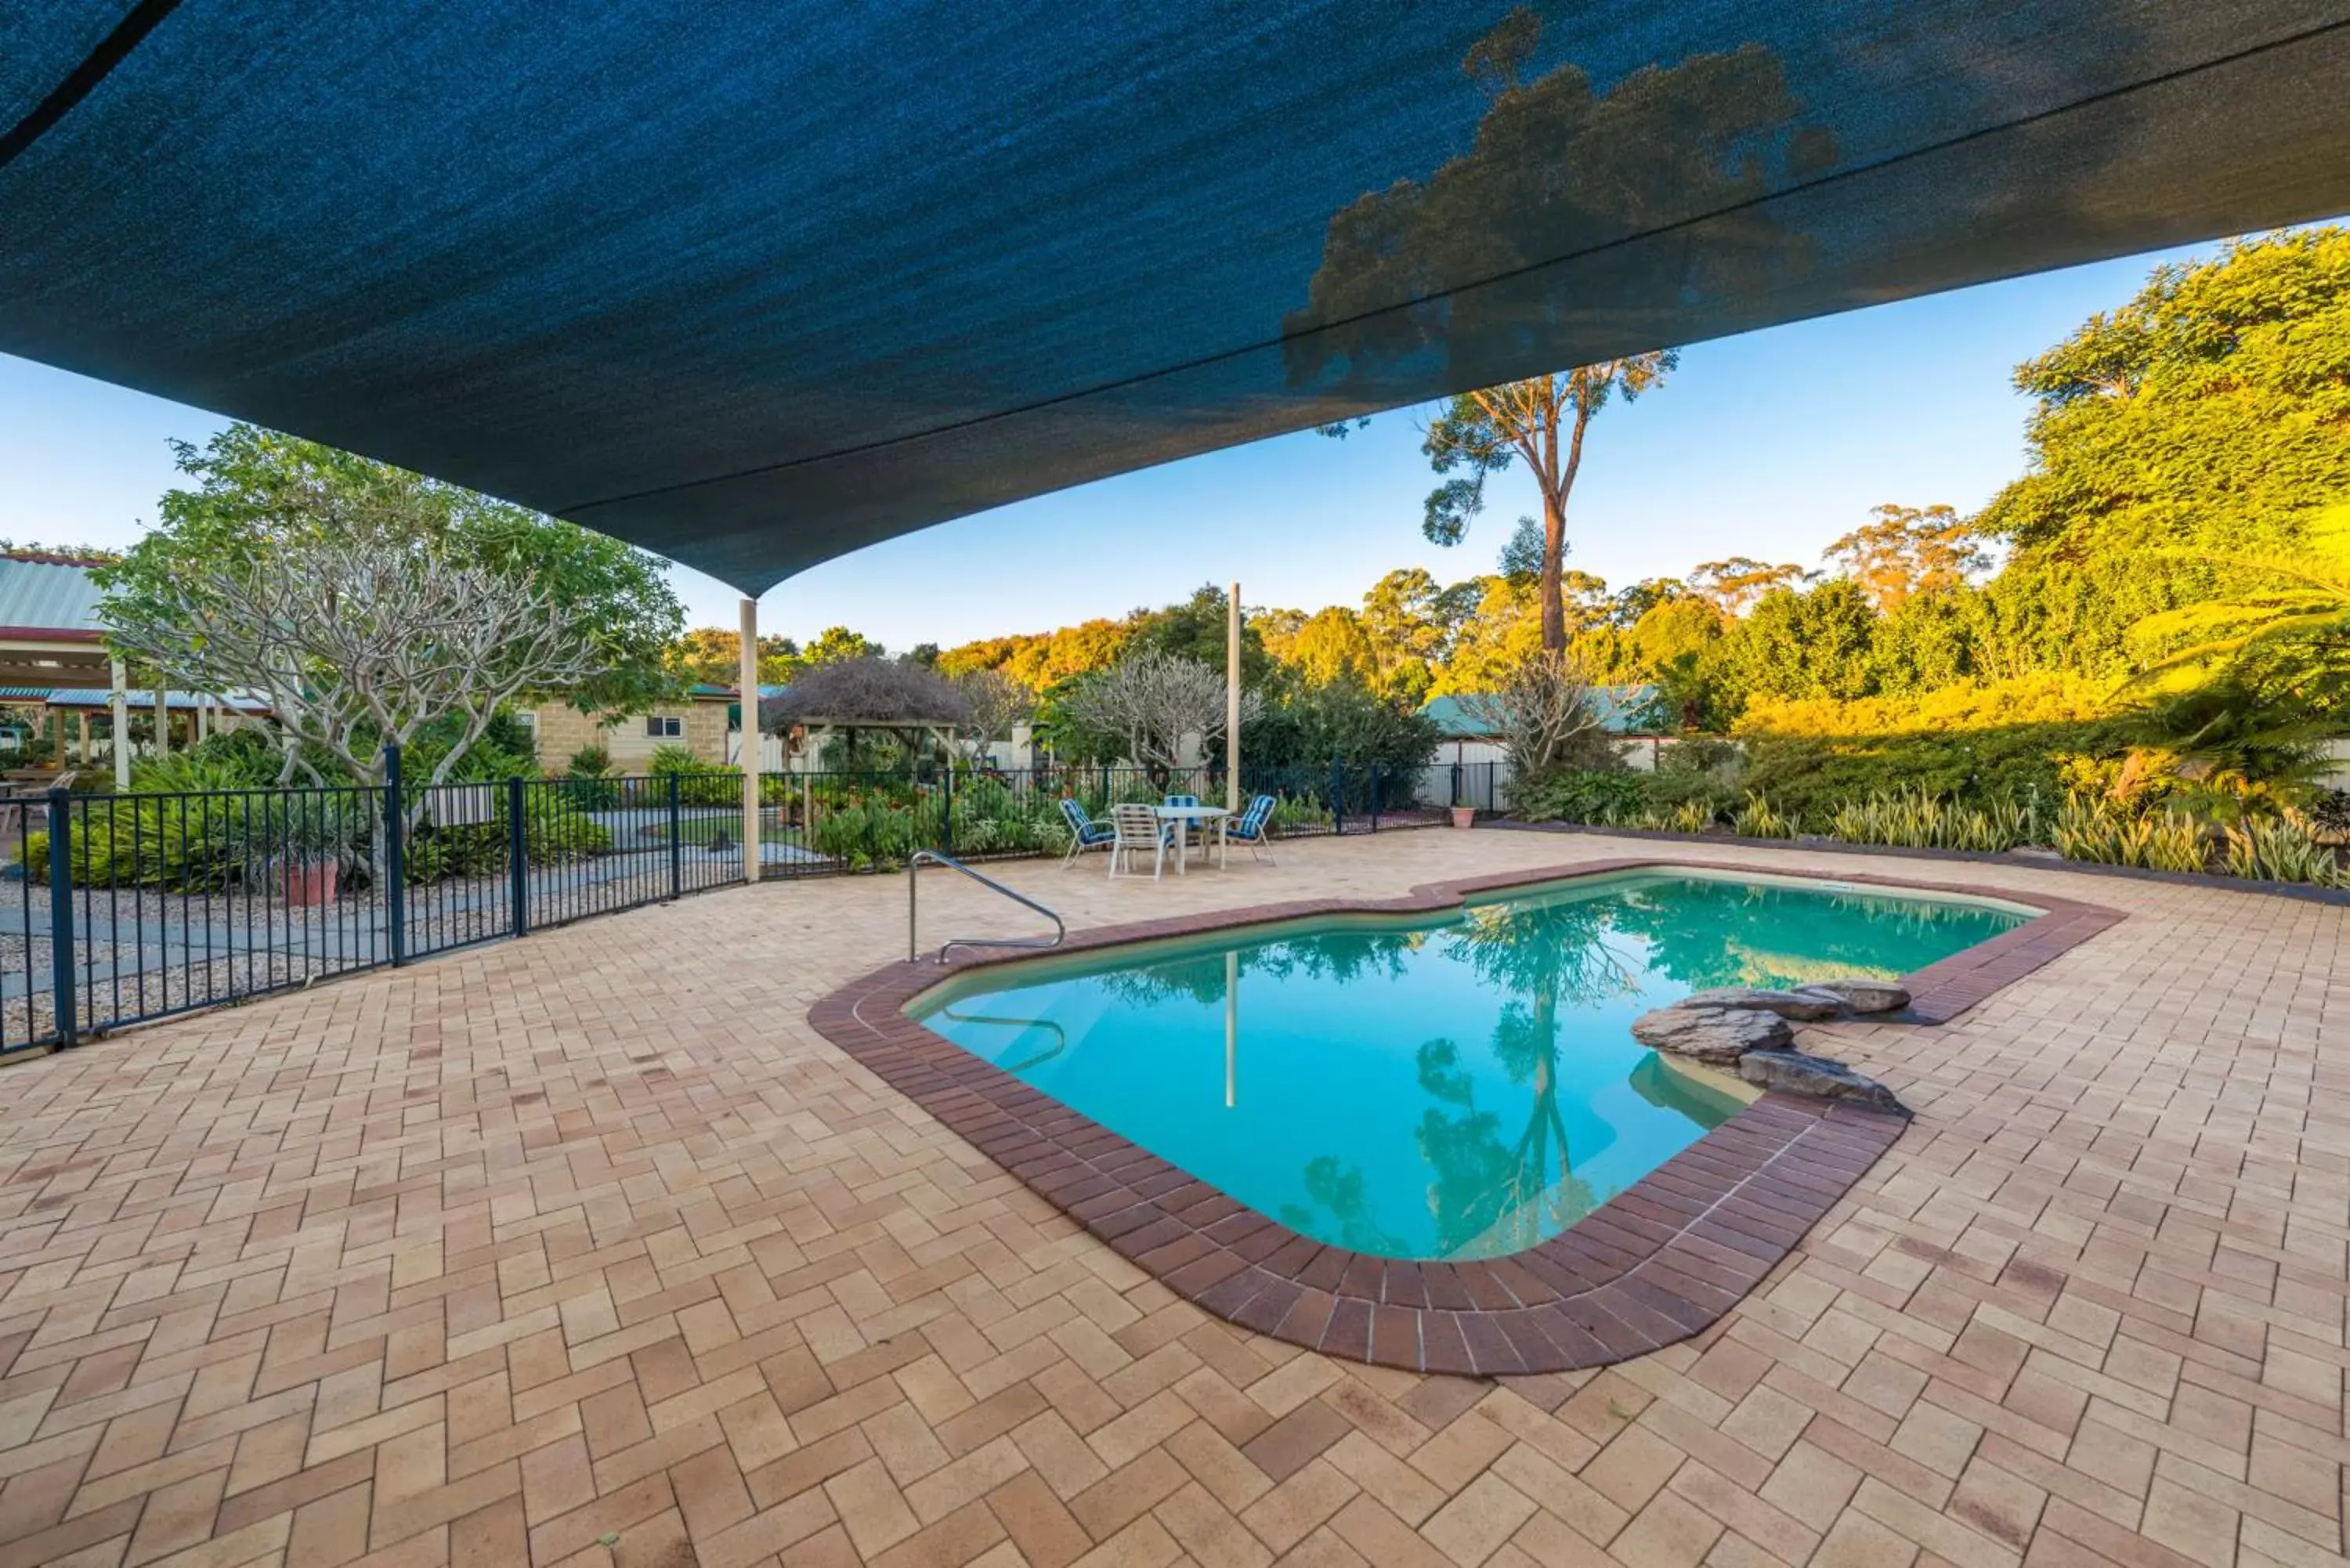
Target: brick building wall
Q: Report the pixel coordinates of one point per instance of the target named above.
(563, 729)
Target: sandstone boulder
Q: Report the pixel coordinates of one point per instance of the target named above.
(1861, 994)
(1794, 1073)
(1717, 1034)
(1802, 1004)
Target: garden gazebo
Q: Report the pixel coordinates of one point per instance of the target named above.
(915, 707)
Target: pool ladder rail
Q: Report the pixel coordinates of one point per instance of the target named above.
(923, 858)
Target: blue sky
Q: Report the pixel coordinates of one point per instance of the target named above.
(1769, 444)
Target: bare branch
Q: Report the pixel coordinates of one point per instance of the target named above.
(1540, 712)
(1155, 701)
(359, 641)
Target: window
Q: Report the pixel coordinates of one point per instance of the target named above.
(661, 727)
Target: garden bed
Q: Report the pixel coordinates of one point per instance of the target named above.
(2039, 859)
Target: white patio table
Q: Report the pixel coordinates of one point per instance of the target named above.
(1183, 817)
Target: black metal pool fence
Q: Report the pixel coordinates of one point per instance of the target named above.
(133, 907)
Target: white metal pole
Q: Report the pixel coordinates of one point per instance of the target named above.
(750, 748)
(1233, 703)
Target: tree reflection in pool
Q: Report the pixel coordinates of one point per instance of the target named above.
(1456, 1085)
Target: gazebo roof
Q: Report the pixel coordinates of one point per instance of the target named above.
(754, 286)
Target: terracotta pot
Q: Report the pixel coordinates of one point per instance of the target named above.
(306, 883)
(1464, 816)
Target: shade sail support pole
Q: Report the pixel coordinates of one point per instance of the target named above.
(1233, 702)
(748, 701)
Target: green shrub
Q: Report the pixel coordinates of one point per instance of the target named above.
(551, 836)
(864, 835)
(2284, 849)
(1810, 776)
(589, 785)
(1293, 812)
(1601, 797)
(1758, 817)
(1915, 819)
(700, 782)
(238, 759)
(194, 843)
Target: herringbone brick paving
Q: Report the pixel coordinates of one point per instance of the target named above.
(585, 1250)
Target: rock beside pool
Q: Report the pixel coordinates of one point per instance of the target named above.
(1860, 993)
(1793, 1072)
(1805, 1005)
(1717, 1034)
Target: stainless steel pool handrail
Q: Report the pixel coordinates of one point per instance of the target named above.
(923, 858)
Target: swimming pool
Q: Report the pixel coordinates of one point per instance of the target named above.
(1455, 1084)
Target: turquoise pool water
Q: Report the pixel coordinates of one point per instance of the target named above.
(1459, 1084)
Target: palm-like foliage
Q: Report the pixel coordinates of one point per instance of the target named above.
(2307, 597)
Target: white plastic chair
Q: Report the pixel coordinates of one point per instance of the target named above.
(1139, 829)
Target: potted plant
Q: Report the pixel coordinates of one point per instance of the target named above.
(1464, 816)
(305, 840)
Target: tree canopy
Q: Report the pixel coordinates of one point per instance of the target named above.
(258, 496)
(2212, 411)
(712, 655)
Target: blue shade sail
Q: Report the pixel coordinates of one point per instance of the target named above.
(756, 284)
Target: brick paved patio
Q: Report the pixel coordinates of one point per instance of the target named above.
(586, 1250)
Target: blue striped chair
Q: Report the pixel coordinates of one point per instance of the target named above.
(1085, 833)
(1254, 828)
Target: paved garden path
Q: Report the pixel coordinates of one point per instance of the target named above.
(585, 1250)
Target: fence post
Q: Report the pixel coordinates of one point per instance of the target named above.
(1378, 788)
(1337, 798)
(395, 856)
(946, 812)
(677, 840)
(518, 855)
(61, 920)
(1456, 784)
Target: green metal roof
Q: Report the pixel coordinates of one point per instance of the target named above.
(39, 595)
(1619, 707)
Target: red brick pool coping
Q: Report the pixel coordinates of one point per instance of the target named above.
(1657, 1263)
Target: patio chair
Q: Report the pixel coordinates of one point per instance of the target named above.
(1181, 800)
(1085, 833)
(1254, 828)
(1137, 830)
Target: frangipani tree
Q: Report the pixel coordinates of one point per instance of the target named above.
(1154, 701)
(358, 637)
(994, 706)
(1541, 710)
(368, 604)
